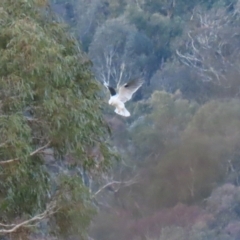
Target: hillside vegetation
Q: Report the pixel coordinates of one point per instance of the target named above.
(179, 174)
(179, 168)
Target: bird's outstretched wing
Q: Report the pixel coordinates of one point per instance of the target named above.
(126, 91)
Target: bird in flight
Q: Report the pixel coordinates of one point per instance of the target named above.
(123, 94)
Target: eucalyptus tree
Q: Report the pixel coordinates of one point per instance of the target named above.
(88, 16)
(83, 16)
(49, 104)
(209, 47)
(107, 50)
(119, 52)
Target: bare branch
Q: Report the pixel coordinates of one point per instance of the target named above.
(10, 228)
(121, 73)
(40, 149)
(31, 154)
(105, 186)
(6, 225)
(119, 183)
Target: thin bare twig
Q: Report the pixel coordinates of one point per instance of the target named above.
(126, 183)
(105, 186)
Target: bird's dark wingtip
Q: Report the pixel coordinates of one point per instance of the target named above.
(112, 90)
(139, 80)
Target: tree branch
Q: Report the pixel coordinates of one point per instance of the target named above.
(10, 228)
(31, 154)
(121, 73)
(105, 186)
(126, 183)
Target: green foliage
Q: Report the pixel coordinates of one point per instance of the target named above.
(117, 7)
(162, 126)
(189, 171)
(160, 29)
(176, 78)
(23, 191)
(113, 34)
(48, 99)
(218, 121)
(167, 110)
(180, 150)
(77, 210)
(111, 48)
(187, 174)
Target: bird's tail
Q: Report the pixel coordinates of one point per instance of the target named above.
(122, 111)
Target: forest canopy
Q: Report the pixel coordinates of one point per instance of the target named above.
(178, 177)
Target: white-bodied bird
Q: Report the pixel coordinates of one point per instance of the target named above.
(123, 94)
